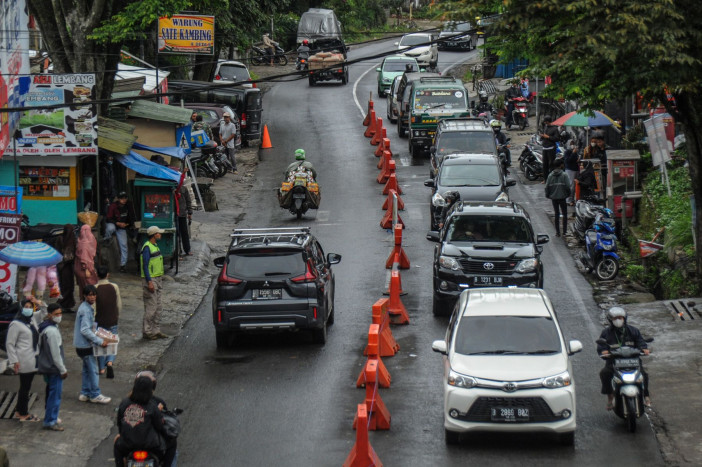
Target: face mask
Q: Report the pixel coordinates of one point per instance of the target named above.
(27, 312)
(593, 144)
(618, 323)
(56, 319)
(109, 162)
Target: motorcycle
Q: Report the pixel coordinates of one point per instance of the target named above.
(222, 160)
(600, 249)
(204, 164)
(585, 213)
(530, 161)
(143, 458)
(301, 62)
(47, 233)
(260, 56)
(520, 113)
(627, 382)
(299, 193)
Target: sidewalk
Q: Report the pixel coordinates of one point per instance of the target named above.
(87, 425)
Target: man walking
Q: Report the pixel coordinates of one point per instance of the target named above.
(549, 138)
(227, 138)
(108, 306)
(83, 339)
(120, 218)
(185, 213)
(51, 365)
(151, 267)
(558, 190)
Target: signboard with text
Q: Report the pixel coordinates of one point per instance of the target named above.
(10, 232)
(10, 199)
(186, 34)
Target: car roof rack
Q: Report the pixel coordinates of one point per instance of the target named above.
(437, 78)
(270, 232)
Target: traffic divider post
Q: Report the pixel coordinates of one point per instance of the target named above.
(380, 132)
(387, 345)
(370, 131)
(373, 352)
(388, 201)
(384, 160)
(398, 251)
(391, 216)
(379, 418)
(388, 169)
(391, 184)
(366, 119)
(386, 147)
(396, 309)
(381, 146)
(362, 453)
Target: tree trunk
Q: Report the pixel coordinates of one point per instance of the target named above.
(205, 65)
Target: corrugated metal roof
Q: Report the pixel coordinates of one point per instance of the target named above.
(155, 111)
(115, 136)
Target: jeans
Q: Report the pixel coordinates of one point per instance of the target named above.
(90, 380)
(560, 204)
(110, 230)
(548, 155)
(102, 361)
(54, 388)
(231, 152)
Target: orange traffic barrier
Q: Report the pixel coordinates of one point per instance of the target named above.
(381, 146)
(388, 202)
(387, 170)
(386, 147)
(395, 265)
(380, 132)
(384, 159)
(387, 345)
(386, 221)
(379, 414)
(373, 352)
(370, 131)
(392, 183)
(366, 119)
(266, 141)
(403, 260)
(362, 453)
(397, 310)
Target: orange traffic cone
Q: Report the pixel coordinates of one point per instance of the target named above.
(266, 141)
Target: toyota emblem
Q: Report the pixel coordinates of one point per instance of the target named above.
(509, 387)
(488, 266)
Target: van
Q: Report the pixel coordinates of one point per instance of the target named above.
(246, 102)
(403, 96)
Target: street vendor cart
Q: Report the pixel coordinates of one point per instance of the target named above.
(157, 207)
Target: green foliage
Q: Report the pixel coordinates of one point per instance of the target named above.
(676, 285)
(672, 212)
(634, 272)
(358, 16)
(137, 19)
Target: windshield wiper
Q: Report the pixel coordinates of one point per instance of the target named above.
(545, 351)
(276, 274)
(498, 352)
(436, 106)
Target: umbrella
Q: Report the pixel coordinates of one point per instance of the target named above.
(582, 119)
(30, 254)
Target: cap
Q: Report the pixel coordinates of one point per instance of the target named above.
(153, 230)
(226, 114)
(122, 195)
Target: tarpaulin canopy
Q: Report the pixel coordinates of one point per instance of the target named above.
(139, 164)
(172, 151)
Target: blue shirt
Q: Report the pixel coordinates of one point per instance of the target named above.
(83, 335)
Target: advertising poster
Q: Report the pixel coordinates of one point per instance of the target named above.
(10, 199)
(186, 34)
(68, 130)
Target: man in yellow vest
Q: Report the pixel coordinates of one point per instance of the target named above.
(151, 267)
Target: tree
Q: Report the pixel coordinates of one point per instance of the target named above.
(605, 50)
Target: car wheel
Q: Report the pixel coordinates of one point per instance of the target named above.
(330, 319)
(452, 437)
(380, 92)
(400, 130)
(567, 439)
(319, 336)
(222, 339)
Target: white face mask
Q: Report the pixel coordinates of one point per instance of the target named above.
(56, 319)
(618, 323)
(593, 144)
(27, 312)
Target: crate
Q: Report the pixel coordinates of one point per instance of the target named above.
(111, 349)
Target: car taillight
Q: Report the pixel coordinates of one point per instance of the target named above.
(140, 455)
(308, 276)
(219, 316)
(253, 85)
(218, 77)
(243, 115)
(314, 310)
(224, 279)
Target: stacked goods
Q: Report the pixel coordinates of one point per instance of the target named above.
(324, 60)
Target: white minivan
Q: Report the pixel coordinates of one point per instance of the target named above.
(507, 366)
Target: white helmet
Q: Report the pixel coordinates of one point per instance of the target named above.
(615, 313)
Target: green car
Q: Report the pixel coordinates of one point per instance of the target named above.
(393, 66)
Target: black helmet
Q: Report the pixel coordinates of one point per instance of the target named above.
(148, 374)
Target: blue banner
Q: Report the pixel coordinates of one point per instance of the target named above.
(10, 199)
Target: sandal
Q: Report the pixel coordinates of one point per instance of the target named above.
(610, 406)
(55, 427)
(30, 418)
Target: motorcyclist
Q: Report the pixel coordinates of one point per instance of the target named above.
(620, 333)
(483, 104)
(269, 44)
(501, 140)
(304, 50)
(450, 198)
(512, 93)
(300, 162)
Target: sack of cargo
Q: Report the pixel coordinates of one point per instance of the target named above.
(323, 54)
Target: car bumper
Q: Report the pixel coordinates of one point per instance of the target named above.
(243, 316)
(550, 410)
(448, 286)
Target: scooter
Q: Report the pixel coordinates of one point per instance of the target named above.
(586, 210)
(627, 382)
(260, 56)
(299, 193)
(600, 249)
(222, 160)
(520, 114)
(530, 161)
(46, 233)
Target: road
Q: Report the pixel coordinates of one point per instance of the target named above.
(281, 400)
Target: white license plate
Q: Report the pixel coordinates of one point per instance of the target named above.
(267, 294)
(487, 280)
(299, 196)
(509, 414)
(627, 363)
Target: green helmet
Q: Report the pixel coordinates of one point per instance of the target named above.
(300, 155)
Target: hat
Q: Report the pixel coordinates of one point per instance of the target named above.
(122, 195)
(226, 114)
(153, 230)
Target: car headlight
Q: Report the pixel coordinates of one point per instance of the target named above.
(527, 265)
(504, 197)
(557, 381)
(449, 262)
(461, 381)
(386, 80)
(437, 200)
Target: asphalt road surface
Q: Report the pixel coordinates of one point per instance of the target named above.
(281, 400)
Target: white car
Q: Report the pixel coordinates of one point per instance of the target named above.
(506, 366)
(426, 55)
(231, 70)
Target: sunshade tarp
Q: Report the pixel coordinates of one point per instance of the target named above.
(137, 163)
(30, 254)
(172, 151)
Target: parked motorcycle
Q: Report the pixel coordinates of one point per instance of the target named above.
(260, 56)
(520, 113)
(203, 164)
(586, 210)
(530, 161)
(600, 249)
(299, 193)
(47, 233)
(627, 382)
(222, 159)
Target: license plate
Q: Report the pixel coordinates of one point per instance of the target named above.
(451, 44)
(147, 463)
(487, 280)
(509, 414)
(267, 294)
(627, 362)
(299, 196)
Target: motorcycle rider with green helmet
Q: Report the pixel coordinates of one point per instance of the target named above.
(300, 162)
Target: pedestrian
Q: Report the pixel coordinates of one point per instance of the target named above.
(107, 184)
(549, 138)
(66, 245)
(200, 124)
(227, 138)
(51, 363)
(572, 167)
(84, 338)
(108, 306)
(151, 267)
(120, 220)
(22, 348)
(84, 267)
(185, 215)
(193, 118)
(557, 190)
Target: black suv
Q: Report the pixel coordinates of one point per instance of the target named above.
(274, 279)
(461, 135)
(484, 244)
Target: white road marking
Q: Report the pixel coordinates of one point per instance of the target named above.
(355, 85)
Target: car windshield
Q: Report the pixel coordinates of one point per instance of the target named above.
(469, 174)
(439, 99)
(482, 228)
(265, 263)
(233, 73)
(414, 40)
(505, 335)
(470, 142)
(208, 116)
(453, 27)
(399, 65)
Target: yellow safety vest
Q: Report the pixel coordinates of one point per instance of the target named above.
(155, 261)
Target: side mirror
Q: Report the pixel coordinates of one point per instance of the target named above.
(333, 258)
(439, 346)
(429, 183)
(574, 347)
(542, 238)
(432, 150)
(510, 181)
(219, 261)
(433, 236)
(378, 70)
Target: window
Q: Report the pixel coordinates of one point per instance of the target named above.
(275, 264)
(157, 205)
(414, 40)
(490, 229)
(233, 72)
(471, 142)
(439, 98)
(485, 335)
(469, 175)
(398, 66)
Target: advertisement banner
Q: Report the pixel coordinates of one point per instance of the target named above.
(62, 131)
(186, 34)
(658, 141)
(10, 232)
(10, 199)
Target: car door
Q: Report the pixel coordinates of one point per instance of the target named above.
(325, 287)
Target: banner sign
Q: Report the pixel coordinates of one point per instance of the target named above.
(648, 248)
(658, 141)
(10, 232)
(9, 203)
(186, 34)
(63, 131)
